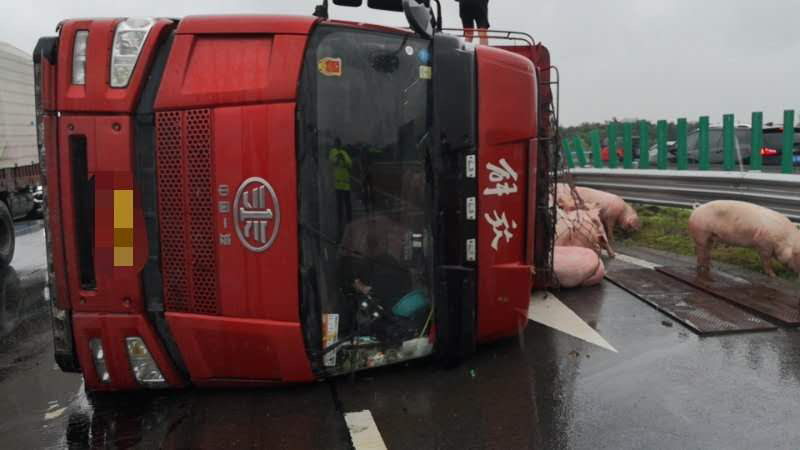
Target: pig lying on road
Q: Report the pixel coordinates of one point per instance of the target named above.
(582, 228)
(577, 266)
(745, 225)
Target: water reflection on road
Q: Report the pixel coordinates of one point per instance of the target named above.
(666, 388)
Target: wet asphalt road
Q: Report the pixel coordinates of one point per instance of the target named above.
(666, 388)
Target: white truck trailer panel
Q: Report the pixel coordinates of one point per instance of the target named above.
(17, 109)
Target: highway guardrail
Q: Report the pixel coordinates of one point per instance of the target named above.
(684, 188)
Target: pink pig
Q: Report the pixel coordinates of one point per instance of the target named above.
(745, 225)
(566, 198)
(582, 228)
(577, 266)
(613, 210)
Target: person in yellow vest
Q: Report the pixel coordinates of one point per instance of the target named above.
(342, 174)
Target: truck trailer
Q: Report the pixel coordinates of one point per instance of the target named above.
(19, 157)
(262, 199)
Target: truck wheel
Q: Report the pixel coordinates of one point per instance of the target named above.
(6, 236)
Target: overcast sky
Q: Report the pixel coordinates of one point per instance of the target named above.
(649, 59)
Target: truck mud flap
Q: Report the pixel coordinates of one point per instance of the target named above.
(697, 310)
(456, 309)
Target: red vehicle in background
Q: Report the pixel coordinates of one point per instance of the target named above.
(237, 200)
(635, 149)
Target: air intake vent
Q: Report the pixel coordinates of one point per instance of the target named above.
(83, 191)
(189, 260)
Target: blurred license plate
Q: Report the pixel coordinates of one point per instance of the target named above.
(797, 159)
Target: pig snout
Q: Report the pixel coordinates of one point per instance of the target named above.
(630, 219)
(633, 224)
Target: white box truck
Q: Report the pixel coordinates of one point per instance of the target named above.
(20, 186)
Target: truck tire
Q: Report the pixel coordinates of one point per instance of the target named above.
(7, 242)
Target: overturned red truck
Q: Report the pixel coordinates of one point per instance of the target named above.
(237, 200)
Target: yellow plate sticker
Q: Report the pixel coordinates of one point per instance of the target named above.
(123, 228)
(425, 72)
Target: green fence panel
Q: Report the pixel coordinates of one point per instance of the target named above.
(613, 159)
(661, 137)
(568, 154)
(728, 149)
(756, 140)
(704, 144)
(577, 146)
(683, 158)
(644, 145)
(627, 142)
(596, 159)
(788, 141)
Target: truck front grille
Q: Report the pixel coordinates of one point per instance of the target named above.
(185, 195)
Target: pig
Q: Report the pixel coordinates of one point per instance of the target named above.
(745, 225)
(577, 266)
(567, 198)
(582, 228)
(613, 211)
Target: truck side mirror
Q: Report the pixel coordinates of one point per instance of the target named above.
(386, 5)
(418, 12)
(420, 18)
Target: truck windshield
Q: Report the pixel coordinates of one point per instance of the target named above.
(362, 143)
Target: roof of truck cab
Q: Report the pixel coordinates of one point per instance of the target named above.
(369, 26)
(273, 24)
(246, 24)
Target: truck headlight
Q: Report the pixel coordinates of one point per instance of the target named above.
(79, 58)
(144, 367)
(99, 357)
(128, 42)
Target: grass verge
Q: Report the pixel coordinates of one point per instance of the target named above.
(666, 229)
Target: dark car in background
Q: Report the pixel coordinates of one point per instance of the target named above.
(716, 145)
(772, 148)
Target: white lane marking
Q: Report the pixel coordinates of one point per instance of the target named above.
(53, 414)
(548, 310)
(363, 431)
(733, 277)
(636, 261)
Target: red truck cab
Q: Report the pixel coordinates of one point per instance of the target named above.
(267, 199)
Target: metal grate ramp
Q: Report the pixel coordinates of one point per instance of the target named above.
(697, 310)
(775, 304)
